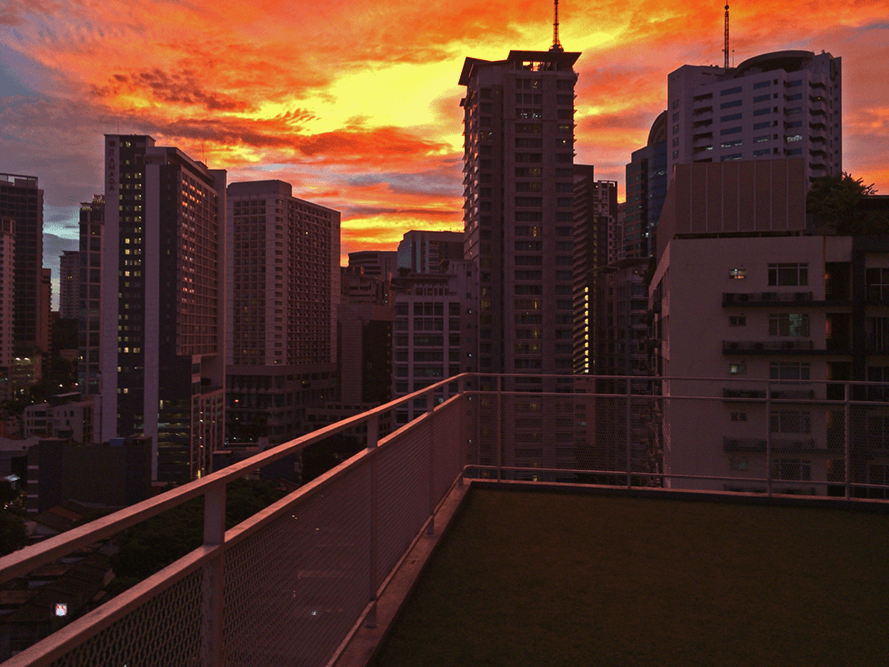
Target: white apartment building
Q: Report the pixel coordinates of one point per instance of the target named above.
(786, 103)
(778, 316)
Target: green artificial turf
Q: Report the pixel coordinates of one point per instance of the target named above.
(537, 578)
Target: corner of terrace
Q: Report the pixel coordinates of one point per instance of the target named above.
(630, 568)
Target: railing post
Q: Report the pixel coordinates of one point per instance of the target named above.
(373, 433)
(462, 405)
(629, 438)
(847, 428)
(430, 416)
(498, 428)
(214, 578)
(769, 439)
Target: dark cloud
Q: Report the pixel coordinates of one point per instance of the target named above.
(181, 87)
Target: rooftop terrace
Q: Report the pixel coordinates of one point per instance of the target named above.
(528, 577)
(564, 579)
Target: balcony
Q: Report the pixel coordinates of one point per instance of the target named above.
(730, 347)
(299, 579)
(746, 299)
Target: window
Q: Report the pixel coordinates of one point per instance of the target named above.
(788, 370)
(763, 125)
(762, 84)
(730, 117)
(788, 275)
(731, 144)
(877, 281)
(737, 321)
(790, 421)
(762, 98)
(792, 470)
(789, 324)
(760, 139)
(729, 105)
(762, 112)
(730, 91)
(761, 152)
(739, 416)
(877, 329)
(738, 369)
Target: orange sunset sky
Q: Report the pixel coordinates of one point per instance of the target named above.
(356, 102)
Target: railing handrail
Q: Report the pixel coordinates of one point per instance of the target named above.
(27, 559)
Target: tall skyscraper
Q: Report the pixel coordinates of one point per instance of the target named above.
(519, 208)
(786, 103)
(21, 200)
(89, 330)
(7, 301)
(595, 213)
(284, 288)
(69, 284)
(646, 189)
(163, 299)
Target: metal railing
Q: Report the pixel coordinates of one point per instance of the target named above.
(782, 436)
(290, 584)
(287, 585)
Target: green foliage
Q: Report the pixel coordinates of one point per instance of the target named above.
(13, 534)
(837, 201)
(152, 545)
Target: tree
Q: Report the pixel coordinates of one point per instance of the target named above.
(153, 544)
(838, 202)
(13, 534)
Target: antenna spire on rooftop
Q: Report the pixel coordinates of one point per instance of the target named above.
(557, 46)
(725, 50)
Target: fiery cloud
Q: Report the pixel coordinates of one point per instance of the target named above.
(356, 102)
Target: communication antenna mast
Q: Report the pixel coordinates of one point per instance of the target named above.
(726, 36)
(557, 46)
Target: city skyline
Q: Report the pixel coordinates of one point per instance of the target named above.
(357, 105)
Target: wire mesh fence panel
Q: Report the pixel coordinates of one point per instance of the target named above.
(403, 478)
(295, 587)
(166, 630)
(446, 447)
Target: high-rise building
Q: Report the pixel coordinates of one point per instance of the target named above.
(69, 284)
(434, 336)
(44, 310)
(7, 300)
(786, 103)
(284, 288)
(89, 330)
(595, 212)
(21, 200)
(646, 189)
(422, 251)
(163, 298)
(519, 208)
